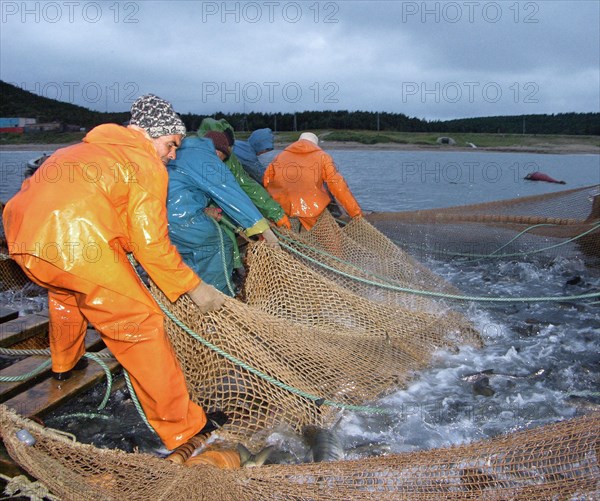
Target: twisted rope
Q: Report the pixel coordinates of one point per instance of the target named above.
(387, 285)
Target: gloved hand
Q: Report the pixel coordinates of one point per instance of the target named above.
(284, 221)
(206, 297)
(214, 212)
(270, 238)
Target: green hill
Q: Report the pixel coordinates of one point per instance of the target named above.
(16, 102)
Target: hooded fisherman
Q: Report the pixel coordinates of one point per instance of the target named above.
(268, 207)
(198, 177)
(70, 228)
(259, 142)
(296, 179)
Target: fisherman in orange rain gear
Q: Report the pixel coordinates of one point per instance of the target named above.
(70, 228)
(296, 177)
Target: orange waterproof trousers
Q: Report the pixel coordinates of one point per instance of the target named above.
(133, 330)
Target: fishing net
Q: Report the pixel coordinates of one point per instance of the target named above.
(11, 275)
(299, 333)
(335, 320)
(558, 461)
(565, 223)
(361, 259)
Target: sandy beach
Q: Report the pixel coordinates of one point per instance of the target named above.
(572, 148)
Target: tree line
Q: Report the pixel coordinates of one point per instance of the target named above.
(17, 102)
(560, 123)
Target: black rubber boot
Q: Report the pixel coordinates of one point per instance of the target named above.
(63, 376)
(214, 421)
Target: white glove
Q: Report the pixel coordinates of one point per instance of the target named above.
(271, 239)
(206, 297)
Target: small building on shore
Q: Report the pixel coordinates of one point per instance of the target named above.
(22, 125)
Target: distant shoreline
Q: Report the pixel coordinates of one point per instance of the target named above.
(543, 149)
(348, 145)
(33, 147)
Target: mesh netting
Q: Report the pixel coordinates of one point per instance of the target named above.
(559, 461)
(331, 322)
(305, 331)
(361, 259)
(564, 223)
(11, 275)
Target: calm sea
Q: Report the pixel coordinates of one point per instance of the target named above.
(439, 408)
(410, 180)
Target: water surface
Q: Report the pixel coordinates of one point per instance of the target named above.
(439, 408)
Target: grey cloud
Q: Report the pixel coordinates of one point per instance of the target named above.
(411, 57)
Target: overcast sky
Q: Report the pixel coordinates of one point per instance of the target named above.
(432, 60)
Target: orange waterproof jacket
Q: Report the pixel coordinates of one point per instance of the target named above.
(91, 203)
(296, 177)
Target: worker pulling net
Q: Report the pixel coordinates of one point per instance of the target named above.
(330, 323)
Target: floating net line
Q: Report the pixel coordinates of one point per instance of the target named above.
(564, 223)
(315, 333)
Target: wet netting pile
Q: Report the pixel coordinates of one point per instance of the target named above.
(336, 319)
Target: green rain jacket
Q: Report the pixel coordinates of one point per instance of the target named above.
(268, 207)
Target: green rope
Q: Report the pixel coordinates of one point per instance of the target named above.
(568, 241)
(231, 226)
(223, 261)
(493, 255)
(319, 401)
(584, 394)
(387, 285)
(96, 357)
(82, 415)
(41, 351)
(109, 379)
(136, 401)
(29, 375)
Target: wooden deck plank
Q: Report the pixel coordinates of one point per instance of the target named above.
(21, 328)
(7, 314)
(50, 394)
(93, 342)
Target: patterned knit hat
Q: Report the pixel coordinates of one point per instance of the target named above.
(156, 116)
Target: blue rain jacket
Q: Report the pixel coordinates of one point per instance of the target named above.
(196, 178)
(246, 151)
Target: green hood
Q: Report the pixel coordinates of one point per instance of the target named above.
(221, 125)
